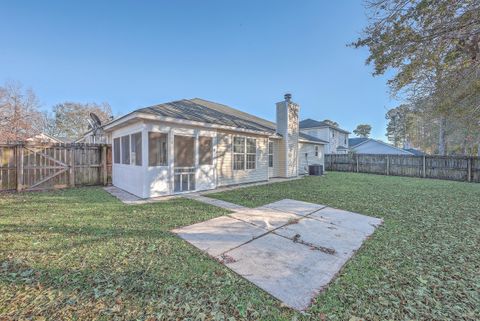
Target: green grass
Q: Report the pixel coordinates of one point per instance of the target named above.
(81, 254)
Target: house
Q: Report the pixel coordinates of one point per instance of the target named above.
(373, 146)
(336, 137)
(44, 138)
(97, 136)
(195, 144)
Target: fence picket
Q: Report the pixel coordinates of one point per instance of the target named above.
(459, 168)
(49, 166)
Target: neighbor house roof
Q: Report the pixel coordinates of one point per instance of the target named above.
(311, 123)
(311, 138)
(356, 141)
(415, 152)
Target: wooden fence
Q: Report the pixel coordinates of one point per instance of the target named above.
(49, 166)
(458, 168)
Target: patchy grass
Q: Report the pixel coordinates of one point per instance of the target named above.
(423, 263)
(81, 254)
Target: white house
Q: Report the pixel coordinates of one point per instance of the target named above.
(192, 145)
(372, 146)
(336, 138)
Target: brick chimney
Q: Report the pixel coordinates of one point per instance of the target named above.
(288, 128)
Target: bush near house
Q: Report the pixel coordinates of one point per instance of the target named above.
(81, 254)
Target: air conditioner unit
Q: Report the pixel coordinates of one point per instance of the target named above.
(315, 170)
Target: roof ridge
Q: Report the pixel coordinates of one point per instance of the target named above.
(251, 117)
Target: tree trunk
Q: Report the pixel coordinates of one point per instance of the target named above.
(442, 137)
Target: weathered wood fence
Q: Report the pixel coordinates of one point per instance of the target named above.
(50, 166)
(458, 168)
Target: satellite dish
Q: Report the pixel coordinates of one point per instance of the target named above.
(96, 120)
(91, 124)
(95, 123)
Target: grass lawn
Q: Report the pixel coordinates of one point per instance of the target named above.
(81, 254)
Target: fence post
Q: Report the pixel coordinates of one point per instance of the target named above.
(19, 165)
(388, 165)
(424, 169)
(356, 157)
(71, 170)
(104, 165)
(469, 169)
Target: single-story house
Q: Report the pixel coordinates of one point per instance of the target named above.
(195, 144)
(46, 138)
(373, 146)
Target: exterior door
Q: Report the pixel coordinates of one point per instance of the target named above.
(184, 164)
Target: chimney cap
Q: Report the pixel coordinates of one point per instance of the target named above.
(288, 96)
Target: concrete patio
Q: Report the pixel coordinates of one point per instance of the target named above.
(290, 249)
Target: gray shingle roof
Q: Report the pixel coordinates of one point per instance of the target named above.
(415, 152)
(194, 111)
(312, 138)
(311, 123)
(355, 141)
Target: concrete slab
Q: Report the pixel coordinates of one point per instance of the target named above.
(354, 221)
(295, 207)
(266, 218)
(290, 249)
(343, 241)
(291, 272)
(219, 235)
(122, 195)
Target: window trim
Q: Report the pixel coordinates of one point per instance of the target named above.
(270, 154)
(316, 150)
(244, 153)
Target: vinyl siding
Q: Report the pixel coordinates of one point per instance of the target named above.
(310, 159)
(225, 172)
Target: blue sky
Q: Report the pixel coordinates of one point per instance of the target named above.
(245, 54)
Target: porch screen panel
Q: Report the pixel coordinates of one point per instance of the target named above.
(205, 150)
(137, 148)
(157, 149)
(116, 150)
(126, 150)
(184, 147)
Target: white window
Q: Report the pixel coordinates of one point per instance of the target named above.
(251, 153)
(244, 153)
(316, 151)
(270, 154)
(157, 149)
(238, 153)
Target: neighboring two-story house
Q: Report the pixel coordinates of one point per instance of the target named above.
(336, 137)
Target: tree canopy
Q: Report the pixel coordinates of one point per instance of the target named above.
(433, 47)
(363, 130)
(20, 117)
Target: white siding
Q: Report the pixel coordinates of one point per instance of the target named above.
(225, 173)
(307, 157)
